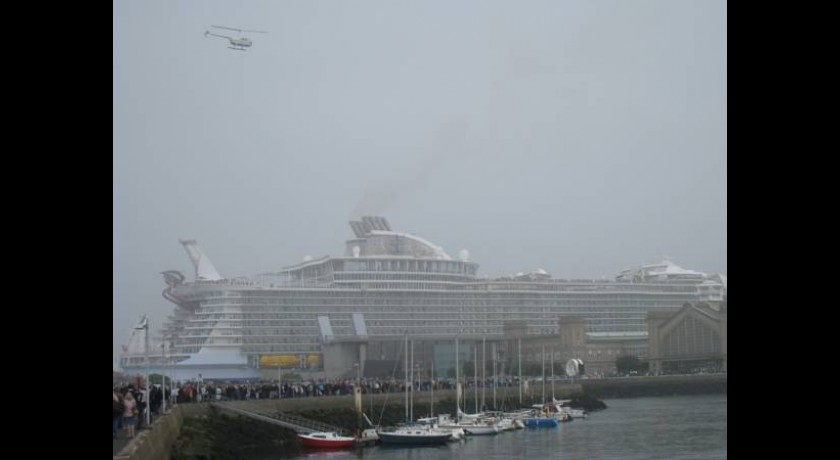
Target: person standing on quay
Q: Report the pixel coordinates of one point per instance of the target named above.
(129, 412)
(118, 412)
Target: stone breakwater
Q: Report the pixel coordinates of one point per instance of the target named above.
(665, 385)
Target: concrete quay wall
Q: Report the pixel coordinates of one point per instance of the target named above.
(155, 443)
(270, 407)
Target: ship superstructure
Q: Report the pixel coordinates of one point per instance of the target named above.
(390, 284)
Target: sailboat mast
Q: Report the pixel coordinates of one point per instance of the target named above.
(475, 374)
(432, 405)
(483, 366)
(406, 378)
(543, 374)
(495, 375)
(520, 371)
(457, 385)
(552, 376)
(411, 413)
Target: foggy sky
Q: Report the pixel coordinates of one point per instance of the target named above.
(582, 137)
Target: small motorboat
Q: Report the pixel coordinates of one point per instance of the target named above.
(325, 439)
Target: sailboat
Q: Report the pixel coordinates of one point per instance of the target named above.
(473, 424)
(541, 416)
(413, 434)
(506, 420)
(325, 439)
(442, 422)
(480, 425)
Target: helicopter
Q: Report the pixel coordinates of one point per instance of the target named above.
(236, 43)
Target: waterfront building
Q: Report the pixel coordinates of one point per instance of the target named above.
(335, 314)
(690, 340)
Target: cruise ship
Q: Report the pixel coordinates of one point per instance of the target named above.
(336, 315)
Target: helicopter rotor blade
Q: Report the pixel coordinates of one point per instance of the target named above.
(228, 28)
(240, 30)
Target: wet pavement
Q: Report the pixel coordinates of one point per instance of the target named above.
(122, 438)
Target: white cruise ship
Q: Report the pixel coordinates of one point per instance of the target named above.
(337, 313)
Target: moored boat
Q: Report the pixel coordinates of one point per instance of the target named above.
(368, 437)
(444, 424)
(540, 422)
(325, 439)
(478, 429)
(509, 424)
(414, 435)
(562, 406)
(540, 419)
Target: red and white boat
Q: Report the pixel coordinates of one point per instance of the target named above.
(325, 439)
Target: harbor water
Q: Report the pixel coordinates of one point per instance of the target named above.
(674, 427)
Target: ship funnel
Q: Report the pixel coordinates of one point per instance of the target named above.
(204, 269)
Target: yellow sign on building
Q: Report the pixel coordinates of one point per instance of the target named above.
(282, 360)
(291, 360)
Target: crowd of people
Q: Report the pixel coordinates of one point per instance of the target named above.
(130, 404)
(130, 400)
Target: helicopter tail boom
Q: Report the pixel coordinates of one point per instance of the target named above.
(207, 32)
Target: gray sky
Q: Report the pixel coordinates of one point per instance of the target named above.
(582, 137)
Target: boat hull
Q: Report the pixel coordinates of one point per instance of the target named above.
(481, 430)
(334, 442)
(541, 422)
(413, 439)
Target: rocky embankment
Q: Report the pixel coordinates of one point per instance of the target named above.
(587, 403)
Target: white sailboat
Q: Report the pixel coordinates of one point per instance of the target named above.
(411, 433)
(474, 424)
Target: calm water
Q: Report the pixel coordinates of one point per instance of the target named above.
(677, 427)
